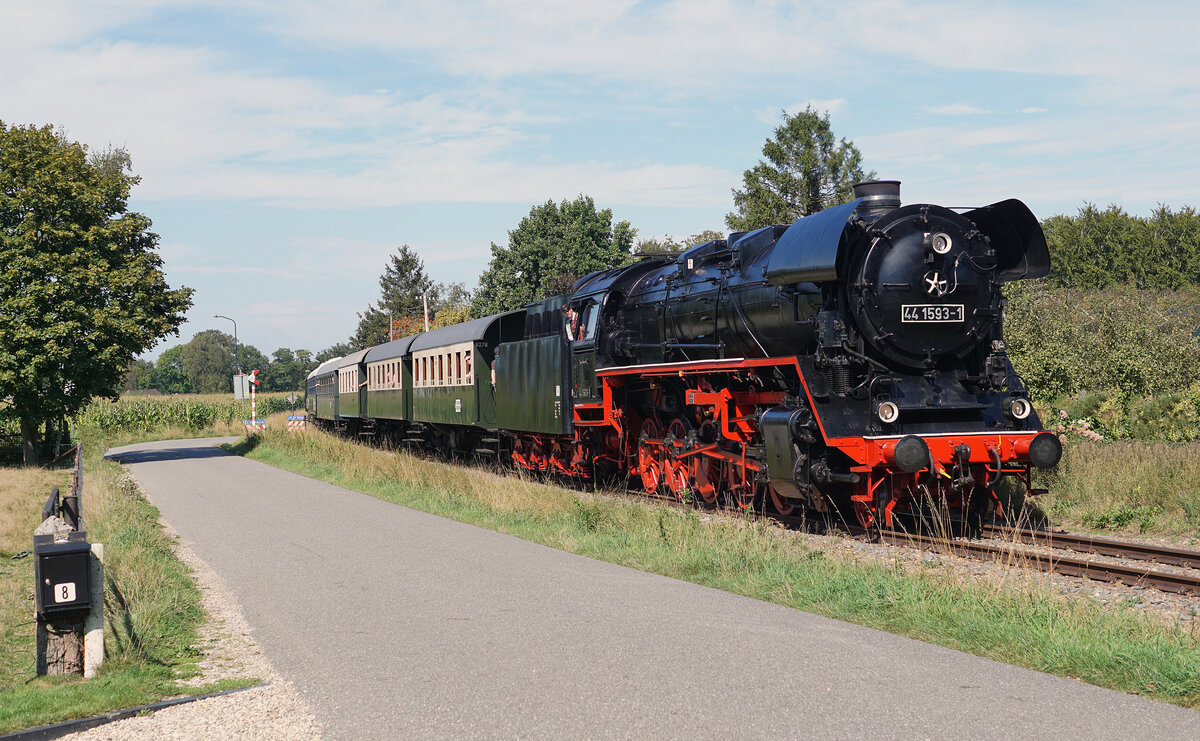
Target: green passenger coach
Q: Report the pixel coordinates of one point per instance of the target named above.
(389, 380)
(351, 392)
(452, 370)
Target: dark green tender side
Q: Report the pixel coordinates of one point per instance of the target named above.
(532, 387)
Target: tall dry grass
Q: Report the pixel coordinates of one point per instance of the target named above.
(23, 492)
(1126, 486)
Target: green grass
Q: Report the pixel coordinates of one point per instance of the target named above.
(1125, 486)
(1027, 626)
(153, 607)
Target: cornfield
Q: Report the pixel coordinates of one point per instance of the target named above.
(141, 414)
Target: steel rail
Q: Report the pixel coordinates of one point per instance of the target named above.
(1101, 546)
(1186, 584)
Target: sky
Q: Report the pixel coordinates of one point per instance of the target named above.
(286, 149)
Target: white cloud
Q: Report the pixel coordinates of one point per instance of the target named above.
(1032, 109)
(678, 43)
(200, 127)
(956, 109)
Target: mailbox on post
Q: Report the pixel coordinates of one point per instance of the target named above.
(62, 570)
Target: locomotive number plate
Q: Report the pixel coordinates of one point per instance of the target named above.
(931, 312)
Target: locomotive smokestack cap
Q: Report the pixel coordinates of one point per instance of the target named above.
(878, 197)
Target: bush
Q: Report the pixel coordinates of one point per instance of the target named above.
(1065, 341)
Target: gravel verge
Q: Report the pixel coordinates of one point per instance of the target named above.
(271, 711)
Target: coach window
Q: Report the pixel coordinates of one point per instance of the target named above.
(467, 362)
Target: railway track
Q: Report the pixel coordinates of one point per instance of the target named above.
(1145, 576)
(1187, 584)
(1100, 545)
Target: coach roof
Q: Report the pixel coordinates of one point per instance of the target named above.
(329, 366)
(476, 329)
(353, 358)
(388, 350)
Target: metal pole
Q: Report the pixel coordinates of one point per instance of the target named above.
(237, 363)
(425, 304)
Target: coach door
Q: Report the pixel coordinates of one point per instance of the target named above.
(582, 319)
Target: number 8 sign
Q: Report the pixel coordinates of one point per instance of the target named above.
(64, 592)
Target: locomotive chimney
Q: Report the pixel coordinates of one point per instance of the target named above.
(879, 197)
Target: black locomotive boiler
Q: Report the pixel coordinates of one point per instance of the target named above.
(853, 358)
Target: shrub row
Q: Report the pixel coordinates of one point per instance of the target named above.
(1119, 362)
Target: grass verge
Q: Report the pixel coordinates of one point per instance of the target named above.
(153, 608)
(1026, 626)
(1126, 486)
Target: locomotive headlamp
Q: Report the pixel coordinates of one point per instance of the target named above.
(940, 243)
(887, 412)
(1019, 407)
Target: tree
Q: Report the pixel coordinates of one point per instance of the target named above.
(139, 375)
(401, 288)
(806, 170)
(287, 370)
(170, 374)
(656, 246)
(668, 244)
(82, 291)
(1101, 249)
(552, 247)
(453, 305)
(209, 361)
(340, 350)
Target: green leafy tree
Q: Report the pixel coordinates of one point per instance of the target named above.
(669, 245)
(287, 370)
(552, 247)
(208, 359)
(708, 235)
(170, 373)
(401, 288)
(1104, 248)
(657, 246)
(1133, 343)
(453, 305)
(140, 375)
(82, 290)
(339, 350)
(805, 171)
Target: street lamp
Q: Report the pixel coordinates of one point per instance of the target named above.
(237, 364)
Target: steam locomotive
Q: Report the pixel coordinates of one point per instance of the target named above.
(851, 361)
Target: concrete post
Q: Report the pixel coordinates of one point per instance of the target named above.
(93, 624)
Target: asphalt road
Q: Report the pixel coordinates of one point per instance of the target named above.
(398, 624)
